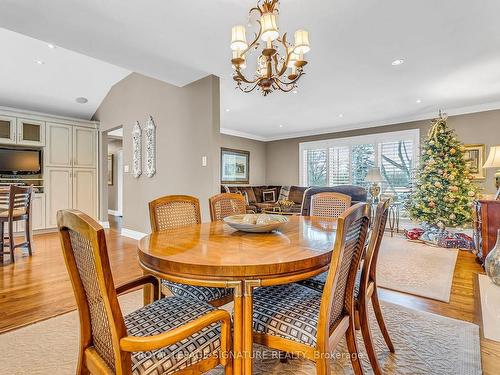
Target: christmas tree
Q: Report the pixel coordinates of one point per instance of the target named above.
(444, 191)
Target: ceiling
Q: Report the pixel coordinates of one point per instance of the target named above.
(450, 47)
(38, 78)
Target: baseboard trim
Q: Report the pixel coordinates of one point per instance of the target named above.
(132, 234)
(114, 213)
(104, 224)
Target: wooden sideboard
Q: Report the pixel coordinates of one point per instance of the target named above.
(486, 225)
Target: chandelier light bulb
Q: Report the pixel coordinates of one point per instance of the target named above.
(269, 27)
(238, 38)
(293, 57)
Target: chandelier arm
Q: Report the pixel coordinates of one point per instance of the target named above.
(284, 89)
(282, 71)
(291, 82)
(242, 78)
(247, 90)
(255, 41)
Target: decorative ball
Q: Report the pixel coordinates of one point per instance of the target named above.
(429, 152)
(432, 204)
(437, 184)
(452, 217)
(452, 177)
(454, 188)
(453, 151)
(466, 181)
(472, 193)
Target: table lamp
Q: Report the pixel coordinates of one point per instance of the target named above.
(493, 161)
(375, 177)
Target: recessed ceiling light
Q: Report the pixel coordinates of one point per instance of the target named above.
(51, 46)
(228, 110)
(341, 115)
(419, 101)
(295, 91)
(81, 100)
(39, 62)
(281, 126)
(398, 62)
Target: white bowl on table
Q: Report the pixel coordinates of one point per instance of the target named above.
(256, 223)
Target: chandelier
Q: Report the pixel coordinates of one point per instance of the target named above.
(274, 71)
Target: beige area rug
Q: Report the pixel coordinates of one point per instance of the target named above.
(416, 268)
(425, 344)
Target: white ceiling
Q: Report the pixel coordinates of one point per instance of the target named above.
(451, 51)
(53, 86)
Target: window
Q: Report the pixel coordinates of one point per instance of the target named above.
(347, 160)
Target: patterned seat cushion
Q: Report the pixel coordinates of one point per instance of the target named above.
(198, 293)
(164, 315)
(318, 282)
(289, 311)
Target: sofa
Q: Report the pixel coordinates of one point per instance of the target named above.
(265, 196)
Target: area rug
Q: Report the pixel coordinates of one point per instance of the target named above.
(425, 344)
(416, 268)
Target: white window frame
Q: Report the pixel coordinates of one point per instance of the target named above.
(376, 139)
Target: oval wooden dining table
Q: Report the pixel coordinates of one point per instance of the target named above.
(216, 255)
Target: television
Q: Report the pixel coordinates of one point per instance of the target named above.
(18, 161)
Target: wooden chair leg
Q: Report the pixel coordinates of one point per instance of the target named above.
(353, 348)
(367, 336)
(11, 240)
(27, 232)
(322, 365)
(380, 320)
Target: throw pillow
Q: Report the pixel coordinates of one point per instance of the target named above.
(269, 196)
(284, 191)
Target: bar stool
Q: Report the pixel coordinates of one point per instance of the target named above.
(15, 206)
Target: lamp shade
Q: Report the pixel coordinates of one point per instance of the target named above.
(238, 38)
(374, 175)
(269, 27)
(302, 42)
(493, 160)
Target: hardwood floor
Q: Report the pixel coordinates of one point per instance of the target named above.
(38, 288)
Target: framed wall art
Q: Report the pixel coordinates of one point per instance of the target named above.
(475, 156)
(234, 166)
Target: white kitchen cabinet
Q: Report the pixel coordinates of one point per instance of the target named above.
(84, 147)
(58, 193)
(58, 152)
(30, 132)
(85, 191)
(7, 130)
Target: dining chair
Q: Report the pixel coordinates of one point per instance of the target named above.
(366, 287)
(329, 204)
(15, 206)
(173, 212)
(170, 335)
(297, 319)
(226, 204)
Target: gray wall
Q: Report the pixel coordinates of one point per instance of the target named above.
(188, 127)
(482, 127)
(258, 156)
(114, 145)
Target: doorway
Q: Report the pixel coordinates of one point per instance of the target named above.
(115, 177)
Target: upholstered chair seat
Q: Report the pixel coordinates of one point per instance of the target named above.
(4, 212)
(198, 293)
(289, 311)
(162, 316)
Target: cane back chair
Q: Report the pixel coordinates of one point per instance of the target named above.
(176, 211)
(226, 204)
(329, 204)
(170, 335)
(15, 206)
(365, 288)
(297, 319)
